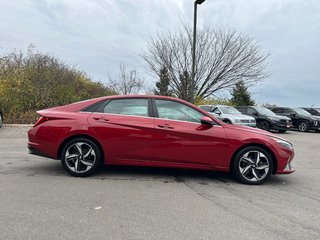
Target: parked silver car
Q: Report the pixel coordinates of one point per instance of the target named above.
(229, 115)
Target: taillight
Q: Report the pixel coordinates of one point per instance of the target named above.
(40, 120)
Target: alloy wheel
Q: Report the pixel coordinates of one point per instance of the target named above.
(303, 126)
(264, 125)
(254, 166)
(80, 157)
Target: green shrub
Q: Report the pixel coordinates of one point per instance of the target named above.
(32, 81)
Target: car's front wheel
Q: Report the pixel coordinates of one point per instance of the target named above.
(81, 157)
(264, 125)
(253, 165)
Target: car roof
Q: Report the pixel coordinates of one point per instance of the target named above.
(148, 96)
(245, 106)
(282, 107)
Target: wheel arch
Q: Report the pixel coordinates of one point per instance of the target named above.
(273, 156)
(304, 120)
(225, 120)
(70, 138)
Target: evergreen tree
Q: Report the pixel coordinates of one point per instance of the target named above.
(241, 96)
(184, 85)
(162, 86)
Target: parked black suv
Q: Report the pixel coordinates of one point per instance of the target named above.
(266, 119)
(301, 119)
(312, 111)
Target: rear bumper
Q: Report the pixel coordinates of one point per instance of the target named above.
(34, 151)
(42, 142)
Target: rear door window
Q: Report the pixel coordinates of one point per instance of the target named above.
(130, 106)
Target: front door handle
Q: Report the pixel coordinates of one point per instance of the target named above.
(165, 126)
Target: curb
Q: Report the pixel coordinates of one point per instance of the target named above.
(17, 125)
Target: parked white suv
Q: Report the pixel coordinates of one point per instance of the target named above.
(229, 115)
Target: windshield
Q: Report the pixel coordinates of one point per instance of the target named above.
(301, 111)
(264, 111)
(229, 110)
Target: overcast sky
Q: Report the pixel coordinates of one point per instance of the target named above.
(96, 35)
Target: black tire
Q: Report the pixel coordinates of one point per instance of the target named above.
(303, 126)
(227, 121)
(1, 119)
(252, 173)
(81, 157)
(264, 125)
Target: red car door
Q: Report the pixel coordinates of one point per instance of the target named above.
(125, 131)
(182, 139)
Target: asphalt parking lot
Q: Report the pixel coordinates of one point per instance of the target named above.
(38, 200)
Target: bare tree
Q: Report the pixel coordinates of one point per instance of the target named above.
(127, 83)
(223, 58)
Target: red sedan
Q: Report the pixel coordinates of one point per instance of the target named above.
(155, 131)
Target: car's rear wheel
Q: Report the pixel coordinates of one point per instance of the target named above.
(253, 165)
(81, 157)
(303, 126)
(264, 125)
(1, 119)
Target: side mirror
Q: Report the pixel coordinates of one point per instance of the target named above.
(206, 121)
(218, 113)
(255, 114)
(293, 115)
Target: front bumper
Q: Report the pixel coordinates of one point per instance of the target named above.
(281, 126)
(316, 128)
(287, 168)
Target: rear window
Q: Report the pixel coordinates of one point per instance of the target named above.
(97, 107)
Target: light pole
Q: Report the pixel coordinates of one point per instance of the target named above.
(192, 97)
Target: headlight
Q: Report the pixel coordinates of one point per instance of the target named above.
(285, 144)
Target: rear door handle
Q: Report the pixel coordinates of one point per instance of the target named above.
(101, 119)
(165, 126)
